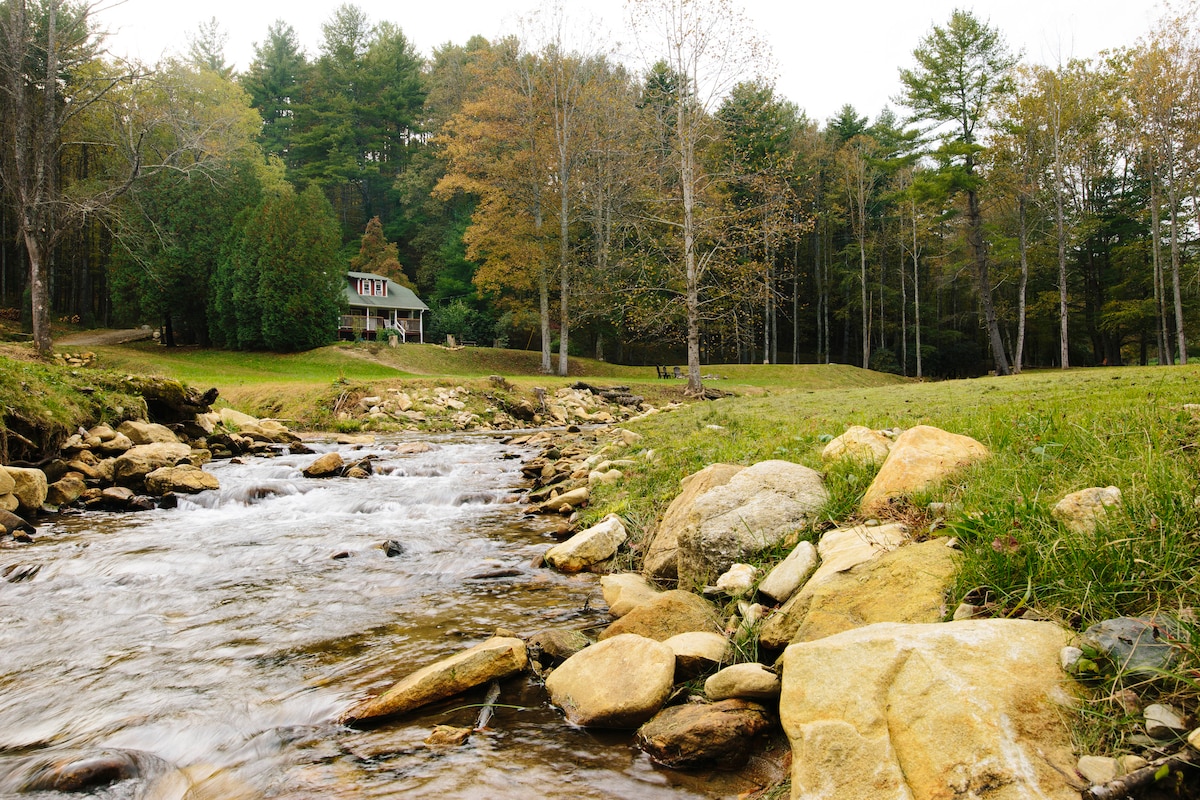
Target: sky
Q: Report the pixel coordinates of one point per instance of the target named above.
(826, 53)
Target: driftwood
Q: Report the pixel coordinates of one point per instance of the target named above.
(1141, 778)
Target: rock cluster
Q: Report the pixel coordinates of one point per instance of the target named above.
(139, 465)
(498, 408)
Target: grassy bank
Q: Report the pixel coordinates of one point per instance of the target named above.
(1050, 434)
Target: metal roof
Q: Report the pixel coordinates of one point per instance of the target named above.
(397, 297)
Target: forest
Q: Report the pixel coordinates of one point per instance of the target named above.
(541, 194)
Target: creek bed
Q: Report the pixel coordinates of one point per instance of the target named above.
(224, 636)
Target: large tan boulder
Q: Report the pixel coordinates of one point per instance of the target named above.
(132, 466)
(618, 683)
(669, 614)
(840, 550)
(756, 510)
(625, 591)
(1083, 511)
(859, 444)
(140, 432)
(925, 712)
(7, 484)
(184, 479)
(921, 457)
(906, 585)
(662, 553)
(496, 658)
(29, 487)
(588, 547)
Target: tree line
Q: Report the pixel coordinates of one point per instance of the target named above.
(537, 192)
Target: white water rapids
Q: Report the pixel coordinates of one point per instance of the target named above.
(221, 638)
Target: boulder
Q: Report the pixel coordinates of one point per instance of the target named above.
(618, 683)
(908, 584)
(565, 501)
(146, 432)
(1083, 511)
(669, 614)
(958, 709)
(235, 420)
(9, 502)
(555, 645)
(115, 445)
(662, 553)
(626, 591)
(12, 523)
(698, 652)
(747, 681)
(66, 490)
(790, 574)
(326, 466)
(1135, 645)
(132, 466)
(588, 547)
(704, 734)
(184, 479)
(921, 457)
(7, 483)
(860, 444)
(757, 509)
(843, 550)
(496, 658)
(738, 580)
(29, 487)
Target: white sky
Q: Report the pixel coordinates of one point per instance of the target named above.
(827, 53)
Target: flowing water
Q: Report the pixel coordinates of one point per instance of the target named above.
(217, 642)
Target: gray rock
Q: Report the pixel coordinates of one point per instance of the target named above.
(1134, 645)
(757, 509)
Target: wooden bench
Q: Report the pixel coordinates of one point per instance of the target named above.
(663, 372)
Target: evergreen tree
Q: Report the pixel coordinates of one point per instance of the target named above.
(275, 83)
(379, 256)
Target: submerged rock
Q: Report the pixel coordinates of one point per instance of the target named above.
(496, 658)
(326, 466)
(704, 734)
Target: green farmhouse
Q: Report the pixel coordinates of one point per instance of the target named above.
(378, 307)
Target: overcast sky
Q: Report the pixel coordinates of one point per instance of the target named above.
(827, 53)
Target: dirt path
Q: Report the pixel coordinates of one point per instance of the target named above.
(103, 337)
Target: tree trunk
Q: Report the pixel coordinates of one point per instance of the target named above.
(1023, 246)
(979, 251)
(1061, 229)
(1173, 204)
(687, 174)
(916, 290)
(1164, 340)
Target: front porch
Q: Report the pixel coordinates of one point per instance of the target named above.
(367, 326)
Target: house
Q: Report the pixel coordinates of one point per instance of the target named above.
(377, 306)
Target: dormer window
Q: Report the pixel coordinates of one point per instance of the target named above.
(372, 287)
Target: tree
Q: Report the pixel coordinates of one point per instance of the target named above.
(961, 71)
(279, 282)
(206, 48)
(379, 256)
(706, 44)
(275, 81)
(859, 175)
(49, 78)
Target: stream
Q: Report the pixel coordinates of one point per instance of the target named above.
(216, 642)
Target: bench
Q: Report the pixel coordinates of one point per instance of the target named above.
(662, 372)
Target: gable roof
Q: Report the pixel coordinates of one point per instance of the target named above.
(397, 297)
